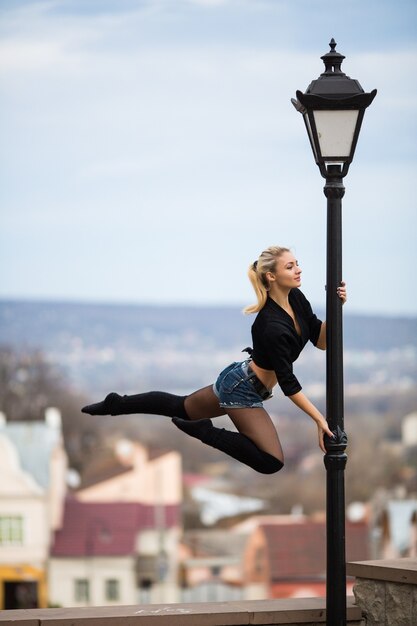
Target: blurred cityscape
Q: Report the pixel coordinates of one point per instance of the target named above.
(127, 510)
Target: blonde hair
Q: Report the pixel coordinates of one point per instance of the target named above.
(257, 272)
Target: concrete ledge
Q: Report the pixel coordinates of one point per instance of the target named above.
(389, 570)
(277, 612)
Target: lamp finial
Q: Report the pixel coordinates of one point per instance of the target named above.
(332, 61)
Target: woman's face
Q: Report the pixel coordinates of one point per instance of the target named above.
(287, 273)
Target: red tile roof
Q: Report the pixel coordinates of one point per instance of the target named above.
(299, 550)
(106, 529)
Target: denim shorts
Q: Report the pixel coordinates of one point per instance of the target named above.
(234, 390)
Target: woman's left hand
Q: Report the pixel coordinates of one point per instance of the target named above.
(341, 292)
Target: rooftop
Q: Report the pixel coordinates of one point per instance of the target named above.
(300, 549)
(107, 529)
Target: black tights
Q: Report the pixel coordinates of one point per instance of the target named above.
(192, 415)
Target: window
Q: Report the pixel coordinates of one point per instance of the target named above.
(112, 590)
(11, 530)
(82, 590)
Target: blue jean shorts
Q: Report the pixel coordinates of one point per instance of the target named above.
(234, 389)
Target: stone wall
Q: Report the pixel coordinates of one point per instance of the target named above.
(386, 591)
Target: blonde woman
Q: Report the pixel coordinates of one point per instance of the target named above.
(283, 325)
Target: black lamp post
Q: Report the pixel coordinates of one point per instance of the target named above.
(333, 108)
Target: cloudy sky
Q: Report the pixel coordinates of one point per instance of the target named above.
(150, 151)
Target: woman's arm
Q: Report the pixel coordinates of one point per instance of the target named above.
(321, 341)
(308, 407)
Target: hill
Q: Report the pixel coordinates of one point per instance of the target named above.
(183, 347)
(48, 324)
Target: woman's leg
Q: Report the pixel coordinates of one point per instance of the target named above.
(257, 447)
(256, 444)
(257, 425)
(198, 405)
(254, 423)
(151, 402)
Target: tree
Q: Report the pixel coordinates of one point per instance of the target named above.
(29, 384)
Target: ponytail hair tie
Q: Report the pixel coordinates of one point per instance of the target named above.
(255, 265)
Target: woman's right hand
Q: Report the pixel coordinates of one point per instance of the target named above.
(323, 428)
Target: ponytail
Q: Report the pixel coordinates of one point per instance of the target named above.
(260, 291)
(257, 275)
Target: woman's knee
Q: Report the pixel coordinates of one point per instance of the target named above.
(270, 464)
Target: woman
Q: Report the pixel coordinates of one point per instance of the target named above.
(282, 327)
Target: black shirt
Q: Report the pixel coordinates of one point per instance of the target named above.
(276, 343)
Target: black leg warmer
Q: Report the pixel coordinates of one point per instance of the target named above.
(153, 403)
(236, 445)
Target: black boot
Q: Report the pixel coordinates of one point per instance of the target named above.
(236, 445)
(153, 403)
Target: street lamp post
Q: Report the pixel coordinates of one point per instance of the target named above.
(333, 107)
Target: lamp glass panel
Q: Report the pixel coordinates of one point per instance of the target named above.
(310, 134)
(335, 130)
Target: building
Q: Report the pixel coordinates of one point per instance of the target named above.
(121, 531)
(397, 529)
(211, 565)
(33, 468)
(133, 474)
(409, 430)
(114, 553)
(286, 557)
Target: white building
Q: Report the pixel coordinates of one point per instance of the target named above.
(33, 467)
(409, 430)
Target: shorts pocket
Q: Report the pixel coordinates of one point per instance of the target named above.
(231, 380)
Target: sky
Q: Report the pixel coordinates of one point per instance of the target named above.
(149, 149)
